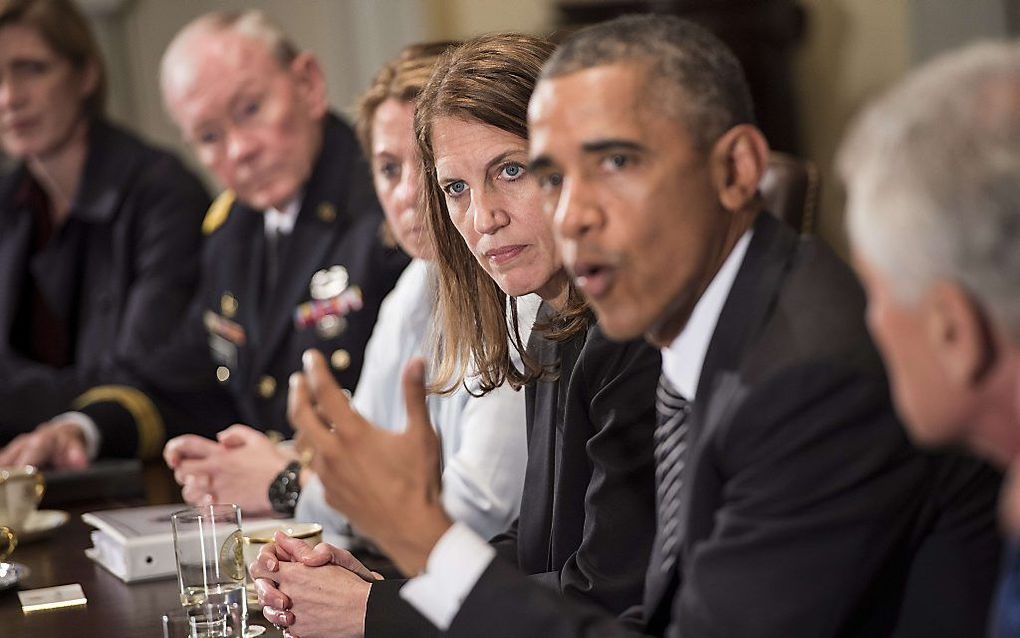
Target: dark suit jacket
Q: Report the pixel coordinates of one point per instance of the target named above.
(807, 512)
(121, 271)
(588, 511)
(239, 345)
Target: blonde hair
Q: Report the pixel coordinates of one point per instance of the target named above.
(490, 80)
(402, 78)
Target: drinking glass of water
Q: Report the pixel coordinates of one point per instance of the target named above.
(210, 560)
(204, 621)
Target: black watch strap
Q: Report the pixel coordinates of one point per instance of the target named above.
(285, 489)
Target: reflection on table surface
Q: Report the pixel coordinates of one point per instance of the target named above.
(114, 608)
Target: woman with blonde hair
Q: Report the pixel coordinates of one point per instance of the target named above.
(587, 514)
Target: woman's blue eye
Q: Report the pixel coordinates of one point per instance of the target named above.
(390, 170)
(512, 171)
(456, 188)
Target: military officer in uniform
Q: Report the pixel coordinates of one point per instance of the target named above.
(296, 252)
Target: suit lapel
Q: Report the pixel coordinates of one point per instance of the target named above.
(535, 523)
(745, 311)
(15, 237)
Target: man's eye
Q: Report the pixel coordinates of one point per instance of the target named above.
(249, 110)
(551, 180)
(208, 137)
(616, 161)
(455, 189)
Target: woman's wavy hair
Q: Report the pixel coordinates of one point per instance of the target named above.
(402, 78)
(489, 80)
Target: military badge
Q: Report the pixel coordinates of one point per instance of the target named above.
(225, 336)
(328, 283)
(327, 212)
(223, 327)
(329, 315)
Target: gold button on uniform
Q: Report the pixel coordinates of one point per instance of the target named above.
(267, 386)
(228, 305)
(341, 359)
(223, 374)
(327, 212)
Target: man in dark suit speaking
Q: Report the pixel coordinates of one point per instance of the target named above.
(789, 500)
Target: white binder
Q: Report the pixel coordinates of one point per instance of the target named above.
(137, 543)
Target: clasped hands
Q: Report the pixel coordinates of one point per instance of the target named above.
(387, 484)
(236, 468)
(312, 592)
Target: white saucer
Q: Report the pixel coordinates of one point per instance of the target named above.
(41, 524)
(11, 574)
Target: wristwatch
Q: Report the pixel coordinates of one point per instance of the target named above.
(285, 489)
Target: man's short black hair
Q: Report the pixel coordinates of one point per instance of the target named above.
(693, 75)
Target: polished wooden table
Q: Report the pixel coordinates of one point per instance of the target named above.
(115, 609)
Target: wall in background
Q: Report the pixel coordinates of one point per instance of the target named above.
(351, 39)
(853, 49)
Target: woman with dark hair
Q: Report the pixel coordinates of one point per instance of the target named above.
(99, 232)
(587, 515)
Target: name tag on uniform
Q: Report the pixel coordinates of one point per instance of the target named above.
(225, 336)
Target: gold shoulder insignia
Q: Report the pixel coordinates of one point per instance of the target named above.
(151, 429)
(218, 212)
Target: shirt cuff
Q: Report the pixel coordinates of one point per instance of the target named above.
(89, 431)
(452, 571)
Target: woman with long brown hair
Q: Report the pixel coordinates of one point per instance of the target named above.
(587, 515)
(484, 448)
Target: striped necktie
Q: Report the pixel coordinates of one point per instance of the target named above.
(670, 454)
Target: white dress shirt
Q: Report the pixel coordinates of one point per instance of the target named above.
(282, 221)
(483, 438)
(460, 557)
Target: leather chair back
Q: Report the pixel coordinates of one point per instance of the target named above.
(790, 190)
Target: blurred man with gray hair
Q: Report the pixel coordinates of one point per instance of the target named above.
(932, 171)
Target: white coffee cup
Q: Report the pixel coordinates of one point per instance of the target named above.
(21, 489)
(255, 540)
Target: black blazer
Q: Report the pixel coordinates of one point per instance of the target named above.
(807, 511)
(587, 515)
(121, 271)
(239, 345)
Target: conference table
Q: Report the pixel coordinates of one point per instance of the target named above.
(114, 609)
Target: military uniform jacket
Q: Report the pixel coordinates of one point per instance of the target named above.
(242, 340)
(120, 271)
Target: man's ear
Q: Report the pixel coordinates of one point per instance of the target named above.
(311, 83)
(739, 159)
(959, 334)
